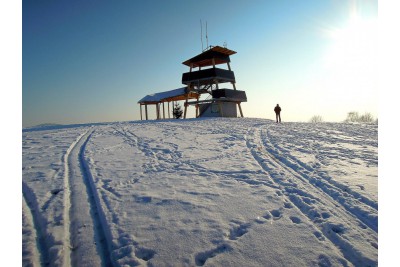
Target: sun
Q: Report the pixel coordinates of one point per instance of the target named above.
(353, 48)
(350, 62)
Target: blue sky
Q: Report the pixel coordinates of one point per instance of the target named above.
(91, 61)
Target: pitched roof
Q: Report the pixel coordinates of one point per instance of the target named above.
(172, 95)
(218, 53)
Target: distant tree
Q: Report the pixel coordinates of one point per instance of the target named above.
(177, 111)
(352, 117)
(316, 119)
(355, 117)
(366, 117)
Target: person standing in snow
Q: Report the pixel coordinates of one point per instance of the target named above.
(277, 110)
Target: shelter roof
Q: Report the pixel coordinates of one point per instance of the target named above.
(218, 53)
(172, 95)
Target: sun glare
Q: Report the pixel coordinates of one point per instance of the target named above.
(350, 72)
(354, 47)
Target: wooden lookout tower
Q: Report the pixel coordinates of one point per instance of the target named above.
(207, 79)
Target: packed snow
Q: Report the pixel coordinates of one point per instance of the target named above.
(201, 192)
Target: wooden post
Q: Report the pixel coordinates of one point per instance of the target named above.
(197, 107)
(145, 107)
(187, 97)
(220, 109)
(158, 111)
(141, 112)
(169, 113)
(163, 110)
(233, 83)
(213, 62)
(240, 109)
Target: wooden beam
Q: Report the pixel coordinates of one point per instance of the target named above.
(163, 110)
(141, 112)
(145, 107)
(240, 109)
(229, 66)
(169, 113)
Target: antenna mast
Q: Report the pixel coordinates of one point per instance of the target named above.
(206, 34)
(201, 33)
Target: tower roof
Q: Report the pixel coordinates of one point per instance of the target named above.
(172, 95)
(218, 53)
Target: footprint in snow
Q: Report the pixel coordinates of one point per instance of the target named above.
(273, 215)
(238, 230)
(276, 214)
(288, 205)
(319, 236)
(144, 253)
(202, 257)
(143, 199)
(295, 219)
(324, 261)
(325, 215)
(267, 215)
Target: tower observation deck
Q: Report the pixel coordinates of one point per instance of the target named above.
(205, 78)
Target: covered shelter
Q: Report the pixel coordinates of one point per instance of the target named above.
(159, 99)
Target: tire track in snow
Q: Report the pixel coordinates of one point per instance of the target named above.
(342, 229)
(341, 194)
(85, 243)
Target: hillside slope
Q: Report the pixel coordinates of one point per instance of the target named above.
(220, 192)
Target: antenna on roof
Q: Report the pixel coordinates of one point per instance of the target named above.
(201, 33)
(206, 34)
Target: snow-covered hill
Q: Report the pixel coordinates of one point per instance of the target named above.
(218, 192)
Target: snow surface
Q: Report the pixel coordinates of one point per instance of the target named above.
(201, 192)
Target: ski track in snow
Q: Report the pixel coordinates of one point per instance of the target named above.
(200, 192)
(31, 249)
(360, 206)
(84, 224)
(336, 222)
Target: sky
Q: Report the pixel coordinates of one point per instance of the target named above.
(91, 61)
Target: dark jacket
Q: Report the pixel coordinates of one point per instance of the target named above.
(277, 109)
